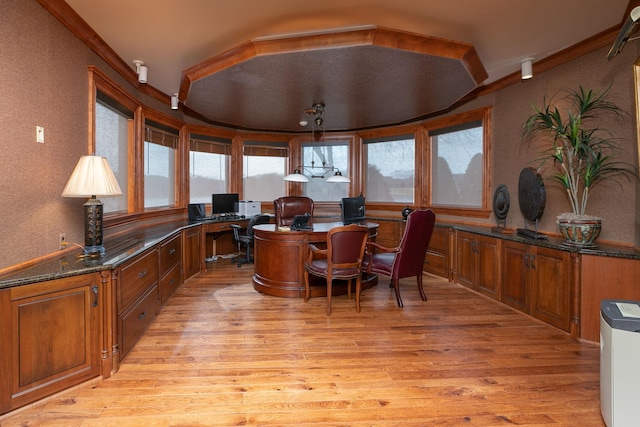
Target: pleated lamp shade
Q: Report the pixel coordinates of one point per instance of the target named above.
(92, 177)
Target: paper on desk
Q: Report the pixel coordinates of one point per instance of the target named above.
(629, 309)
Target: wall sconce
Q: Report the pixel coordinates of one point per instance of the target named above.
(92, 177)
(527, 68)
(174, 101)
(141, 70)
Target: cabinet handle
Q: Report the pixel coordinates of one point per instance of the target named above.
(533, 262)
(94, 290)
(172, 251)
(142, 274)
(142, 315)
(526, 261)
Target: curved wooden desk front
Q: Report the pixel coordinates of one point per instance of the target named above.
(279, 258)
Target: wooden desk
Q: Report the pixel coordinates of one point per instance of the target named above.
(279, 258)
(214, 229)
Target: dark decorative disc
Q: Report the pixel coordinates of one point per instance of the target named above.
(501, 202)
(531, 194)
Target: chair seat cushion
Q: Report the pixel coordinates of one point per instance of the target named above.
(382, 262)
(319, 268)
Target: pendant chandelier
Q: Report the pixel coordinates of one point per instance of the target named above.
(302, 173)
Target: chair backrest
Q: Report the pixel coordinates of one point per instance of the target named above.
(256, 220)
(346, 244)
(414, 244)
(289, 206)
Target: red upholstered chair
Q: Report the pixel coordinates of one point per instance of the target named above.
(406, 260)
(341, 260)
(287, 207)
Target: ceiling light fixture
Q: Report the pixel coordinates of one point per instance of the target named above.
(300, 173)
(141, 70)
(527, 68)
(174, 101)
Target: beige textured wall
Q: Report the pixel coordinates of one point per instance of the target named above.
(617, 206)
(44, 82)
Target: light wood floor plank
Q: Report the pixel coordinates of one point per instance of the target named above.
(222, 354)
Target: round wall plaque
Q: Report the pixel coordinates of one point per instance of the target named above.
(501, 202)
(531, 194)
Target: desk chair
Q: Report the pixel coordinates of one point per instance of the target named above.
(247, 238)
(289, 206)
(341, 260)
(406, 260)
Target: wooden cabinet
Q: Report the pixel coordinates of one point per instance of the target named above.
(538, 281)
(437, 259)
(137, 298)
(191, 251)
(478, 263)
(49, 338)
(170, 267)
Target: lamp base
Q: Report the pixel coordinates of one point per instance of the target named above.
(94, 251)
(93, 228)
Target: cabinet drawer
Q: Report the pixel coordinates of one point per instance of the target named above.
(169, 283)
(436, 264)
(136, 320)
(136, 277)
(170, 254)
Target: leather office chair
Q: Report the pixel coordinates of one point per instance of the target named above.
(289, 206)
(341, 260)
(247, 238)
(406, 260)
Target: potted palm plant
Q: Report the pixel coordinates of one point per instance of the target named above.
(578, 154)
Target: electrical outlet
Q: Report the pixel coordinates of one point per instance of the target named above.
(62, 241)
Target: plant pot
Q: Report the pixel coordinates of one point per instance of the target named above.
(579, 230)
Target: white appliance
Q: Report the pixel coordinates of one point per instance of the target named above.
(248, 209)
(620, 363)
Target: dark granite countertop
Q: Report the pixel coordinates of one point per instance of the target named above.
(122, 249)
(118, 251)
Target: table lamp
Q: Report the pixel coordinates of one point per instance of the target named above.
(92, 177)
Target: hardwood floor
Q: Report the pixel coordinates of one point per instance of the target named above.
(220, 353)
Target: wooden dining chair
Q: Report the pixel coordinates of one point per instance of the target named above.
(407, 259)
(341, 260)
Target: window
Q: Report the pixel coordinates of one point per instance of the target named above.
(264, 166)
(112, 123)
(390, 169)
(319, 154)
(457, 165)
(209, 159)
(160, 146)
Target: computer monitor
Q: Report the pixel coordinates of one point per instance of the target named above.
(353, 209)
(224, 203)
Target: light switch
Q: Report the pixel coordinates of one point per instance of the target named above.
(40, 134)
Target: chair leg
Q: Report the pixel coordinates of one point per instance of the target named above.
(358, 288)
(349, 283)
(329, 292)
(422, 294)
(396, 287)
(307, 292)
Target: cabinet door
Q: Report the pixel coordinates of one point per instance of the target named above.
(191, 251)
(515, 274)
(437, 258)
(54, 332)
(550, 286)
(488, 253)
(466, 262)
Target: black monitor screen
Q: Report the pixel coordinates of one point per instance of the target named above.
(353, 209)
(224, 203)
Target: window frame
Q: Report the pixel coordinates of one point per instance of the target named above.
(482, 115)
